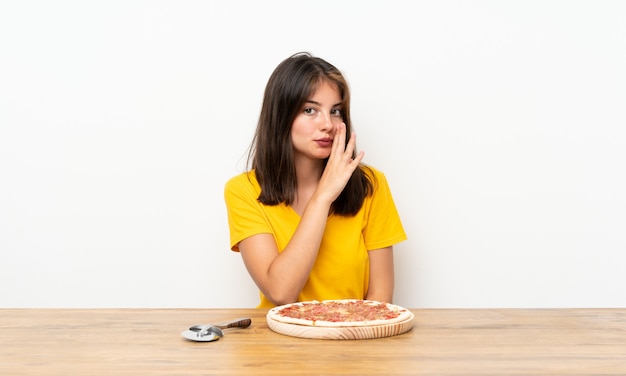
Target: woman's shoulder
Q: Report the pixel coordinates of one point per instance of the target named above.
(373, 173)
(242, 180)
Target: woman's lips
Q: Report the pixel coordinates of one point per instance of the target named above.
(325, 142)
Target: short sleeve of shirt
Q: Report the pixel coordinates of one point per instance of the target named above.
(382, 226)
(245, 213)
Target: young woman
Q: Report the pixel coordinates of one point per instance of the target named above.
(310, 220)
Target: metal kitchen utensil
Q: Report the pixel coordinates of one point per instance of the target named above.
(204, 333)
(237, 323)
(206, 330)
(213, 332)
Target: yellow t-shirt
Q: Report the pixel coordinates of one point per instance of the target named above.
(341, 270)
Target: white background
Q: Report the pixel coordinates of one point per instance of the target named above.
(501, 127)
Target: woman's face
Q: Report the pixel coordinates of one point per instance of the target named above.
(313, 129)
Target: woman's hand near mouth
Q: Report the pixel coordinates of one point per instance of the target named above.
(340, 165)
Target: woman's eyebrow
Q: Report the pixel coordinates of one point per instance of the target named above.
(319, 104)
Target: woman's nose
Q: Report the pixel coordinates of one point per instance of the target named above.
(326, 122)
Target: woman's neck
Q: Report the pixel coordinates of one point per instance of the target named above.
(308, 171)
(308, 174)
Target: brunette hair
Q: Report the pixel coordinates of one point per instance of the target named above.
(271, 153)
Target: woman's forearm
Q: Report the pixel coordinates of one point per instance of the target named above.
(289, 271)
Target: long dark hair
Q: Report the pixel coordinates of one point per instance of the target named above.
(271, 153)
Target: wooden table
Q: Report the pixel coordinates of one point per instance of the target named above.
(442, 342)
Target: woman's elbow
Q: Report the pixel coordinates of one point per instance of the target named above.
(281, 297)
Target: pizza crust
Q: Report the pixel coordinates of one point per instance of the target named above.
(402, 313)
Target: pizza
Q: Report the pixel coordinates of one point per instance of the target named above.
(339, 313)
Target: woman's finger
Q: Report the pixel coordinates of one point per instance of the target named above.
(351, 145)
(339, 141)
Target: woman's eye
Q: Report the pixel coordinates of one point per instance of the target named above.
(309, 111)
(336, 112)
